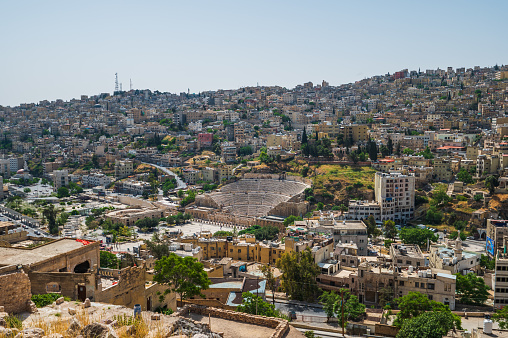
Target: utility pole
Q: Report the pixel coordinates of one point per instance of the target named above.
(342, 310)
(257, 294)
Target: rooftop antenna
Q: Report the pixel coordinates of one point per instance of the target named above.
(131, 84)
(116, 82)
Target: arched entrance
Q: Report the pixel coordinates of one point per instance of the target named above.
(82, 267)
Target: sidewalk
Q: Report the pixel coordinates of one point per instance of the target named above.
(281, 298)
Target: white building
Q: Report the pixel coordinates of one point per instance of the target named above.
(60, 178)
(95, 179)
(395, 193)
(395, 199)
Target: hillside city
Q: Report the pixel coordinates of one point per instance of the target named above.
(374, 208)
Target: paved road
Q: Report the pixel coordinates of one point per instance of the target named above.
(301, 309)
(31, 231)
(179, 183)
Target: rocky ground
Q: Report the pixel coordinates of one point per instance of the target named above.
(98, 320)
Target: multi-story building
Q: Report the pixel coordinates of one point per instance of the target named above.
(356, 132)
(133, 187)
(442, 170)
(395, 193)
(453, 258)
(347, 231)
(373, 280)
(191, 176)
(123, 168)
(60, 178)
(496, 230)
(501, 277)
(205, 139)
(228, 152)
(95, 179)
(405, 255)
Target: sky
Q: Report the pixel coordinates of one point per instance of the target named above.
(64, 49)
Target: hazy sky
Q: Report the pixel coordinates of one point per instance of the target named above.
(62, 49)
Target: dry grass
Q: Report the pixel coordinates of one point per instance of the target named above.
(56, 325)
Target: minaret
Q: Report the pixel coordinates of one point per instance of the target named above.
(458, 248)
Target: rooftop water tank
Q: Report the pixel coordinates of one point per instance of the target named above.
(487, 326)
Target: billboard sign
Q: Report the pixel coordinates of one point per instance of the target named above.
(490, 246)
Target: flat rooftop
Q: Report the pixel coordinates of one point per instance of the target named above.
(12, 256)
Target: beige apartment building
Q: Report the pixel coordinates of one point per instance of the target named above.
(442, 170)
(356, 132)
(123, 168)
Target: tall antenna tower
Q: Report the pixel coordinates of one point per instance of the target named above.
(116, 82)
(131, 84)
(120, 86)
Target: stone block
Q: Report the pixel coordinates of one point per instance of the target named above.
(87, 303)
(59, 301)
(34, 332)
(156, 316)
(72, 311)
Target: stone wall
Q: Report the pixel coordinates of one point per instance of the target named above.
(14, 237)
(15, 292)
(129, 291)
(281, 326)
(68, 261)
(286, 209)
(65, 283)
(386, 330)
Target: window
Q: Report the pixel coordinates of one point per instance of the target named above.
(408, 262)
(430, 286)
(401, 283)
(422, 285)
(239, 250)
(430, 297)
(230, 250)
(417, 284)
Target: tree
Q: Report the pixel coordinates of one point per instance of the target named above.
(147, 223)
(328, 300)
(183, 275)
(62, 192)
(465, 176)
(291, 220)
(109, 260)
(429, 325)
(389, 145)
(491, 183)
(271, 281)
(255, 305)
(487, 263)
(397, 151)
(390, 229)
(299, 272)
(157, 247)
(417, 236)
(471, 289)
(440, 197)
(414, 304)
(372, 149)
(408, 151)
(50, 213)
(304, 136)
(353, 156)
(372, 229)
(501, 317)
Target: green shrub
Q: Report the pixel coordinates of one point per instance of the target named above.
(47, 299)
(164, 311)
(461, 198)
